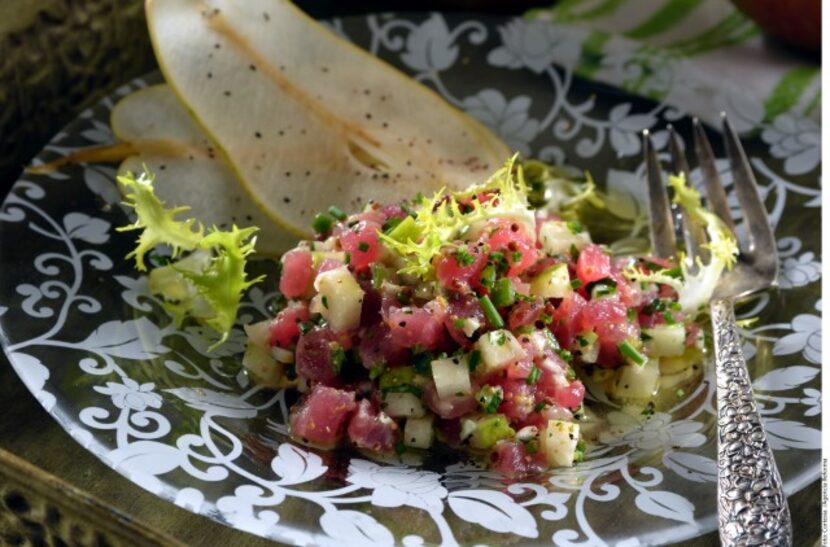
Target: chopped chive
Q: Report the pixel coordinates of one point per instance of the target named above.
(574, 252)
(575, 227)
(576, 283)
(579, 453)
(305, 327)
(490, 311)
(475, 358)
(322, 223)
(325, 302)
(463, 257)
(533, 377)
(421, 363)
(338, 357)
(347, 259)
(390, 224)
(497, 256)
(516, 257)
(669, 317)
(674, 272)
(337, 213)
(363, 246)
(566, 355)
(628, 351)
(503, 293)
(378, 273)
(539, 406)
(458, 323)
(376, 371)
(570, 374)
(400, 448)
(489, 398)
(488, 276)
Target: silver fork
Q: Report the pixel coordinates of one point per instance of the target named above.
(752, 507)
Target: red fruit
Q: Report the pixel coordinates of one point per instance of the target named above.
(322, 415)
(412, 326)
(362, 243)
(297, 273)
(314, 358)
(511, 459)
(378, 348)
(518, 399)
(593, 264)
(453, 271)
(608, 318)
(372, 429)
(285, 328)
(570, 396)
(525, 313)
(564, 325)
(513, 240)
(460, 308)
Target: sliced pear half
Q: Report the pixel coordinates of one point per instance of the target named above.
(307, 119)
(188, 171)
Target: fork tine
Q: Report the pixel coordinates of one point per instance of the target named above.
(715, 195)
(761, 240)
(694, 235)
(661, 228)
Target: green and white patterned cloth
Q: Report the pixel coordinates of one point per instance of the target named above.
(698, 52)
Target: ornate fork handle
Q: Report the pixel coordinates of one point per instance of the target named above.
(752, 506)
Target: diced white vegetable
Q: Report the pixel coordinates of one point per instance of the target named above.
(637, 381)
(403, 405)
(527, 433)
(263, 368)
(468, 427)
(341, 298)
(259, 334)
(557, 238)
(282, 355)
(665, 340)
(469, 326)
(417, 432)
(588, 345)
(318, 257)
(498, 348)
(451, 376)
(553, 282)
(558, 443)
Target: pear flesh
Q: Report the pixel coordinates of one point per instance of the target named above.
(307, 120)
(169, 144)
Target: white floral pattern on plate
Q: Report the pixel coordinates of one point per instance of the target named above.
(153, 403)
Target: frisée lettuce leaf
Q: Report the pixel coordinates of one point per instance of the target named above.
(697, 282)
(206, 278)
(448, 215)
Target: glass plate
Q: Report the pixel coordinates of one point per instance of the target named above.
(93, 345)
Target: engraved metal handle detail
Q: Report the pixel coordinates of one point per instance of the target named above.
(752, 507)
